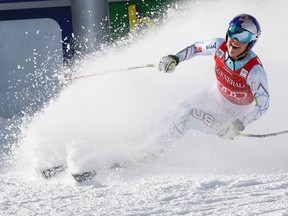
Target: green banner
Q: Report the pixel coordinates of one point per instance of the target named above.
(133, 16)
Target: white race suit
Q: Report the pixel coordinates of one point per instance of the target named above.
(210, 110)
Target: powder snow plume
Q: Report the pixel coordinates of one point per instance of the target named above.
(117, 118)
(114, 117)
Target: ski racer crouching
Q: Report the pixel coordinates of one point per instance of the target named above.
(241, 95)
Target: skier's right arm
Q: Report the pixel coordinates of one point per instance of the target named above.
(208, 47)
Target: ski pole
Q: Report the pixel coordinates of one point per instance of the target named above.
(263, 135)
(67, 78)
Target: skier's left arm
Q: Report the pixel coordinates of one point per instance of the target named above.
(257, 80)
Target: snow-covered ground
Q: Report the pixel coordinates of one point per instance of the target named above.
(175, 193)
(101, 120)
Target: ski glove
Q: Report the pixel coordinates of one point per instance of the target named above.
(231, 130)
(168, 63)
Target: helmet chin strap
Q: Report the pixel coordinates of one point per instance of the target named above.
(241, 55)
(245, 52)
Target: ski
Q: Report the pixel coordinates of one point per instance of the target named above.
(53, 171)
(85, 176)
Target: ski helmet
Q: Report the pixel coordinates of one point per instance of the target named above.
(245, 28)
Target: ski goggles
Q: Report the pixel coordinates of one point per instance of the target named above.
(242, 35)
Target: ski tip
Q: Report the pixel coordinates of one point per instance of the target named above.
(53, 171)
(85, 176)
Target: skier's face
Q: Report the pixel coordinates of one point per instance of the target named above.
(235, 48)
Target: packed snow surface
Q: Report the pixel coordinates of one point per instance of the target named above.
(117, 117)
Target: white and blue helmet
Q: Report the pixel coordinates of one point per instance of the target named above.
(245, 28)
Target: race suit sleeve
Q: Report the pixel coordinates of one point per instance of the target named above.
(207, 47)
(257, 80)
